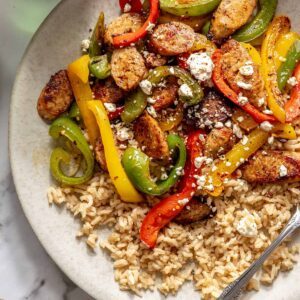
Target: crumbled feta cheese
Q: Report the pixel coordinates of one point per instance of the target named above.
(247, 226)
(199, 161)
(271, 140)
(219, 125)
(85, 45)
(266, 126)
(228, 124)
(210, 187)
(201, 66)
(185, 91)
(242, 99)
(172, 70)
(261, 102)
(267, 112)
(151, 111)
(110, 107)
(228, 163)
(183, 201)
(246, 70)
(150, 26)
(201, 137)
(146, 86)
(283, 171)
(240, 119)
(127, 8)
(282, 59)
(151, 100)
(292, 81)
(244, 140)
(124, 134)
(237, 131)
(244, 85)
(164, 176)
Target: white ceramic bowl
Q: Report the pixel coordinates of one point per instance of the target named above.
(56, 43)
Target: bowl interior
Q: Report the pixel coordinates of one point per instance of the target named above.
(57, 43)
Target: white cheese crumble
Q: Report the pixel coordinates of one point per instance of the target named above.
(127, 8)
(183, 201)
(185, 91)
(85, 45)
(244, 140)
(237, 131)
(244, 85)
(261, 102)
(267, 112)
(146, 86)
(292, 81)
(151, 100)
(201, 66)
(110, 107)
(124, 134)
(151, 111)
(150, 26)
(266, 126)
(246, 70)
(247, 226)
(240, 119)
(271, 140)
(219, 125)
(242, 99)
(282, 59)
(283, 171)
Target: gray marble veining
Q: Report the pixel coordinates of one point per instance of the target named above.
(26, 271)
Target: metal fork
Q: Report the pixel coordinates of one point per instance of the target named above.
(235, 289)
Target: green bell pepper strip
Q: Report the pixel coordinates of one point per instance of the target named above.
(259, 24)
(64, 126)
(287, 67)
(136, 165)
(191, 8)
(155, 76)
(134, 106)
(74, 112)
(97, 37)
(206, 27)
(99, 66)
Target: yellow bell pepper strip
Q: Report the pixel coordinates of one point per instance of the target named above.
(97, 37)
(64, 126)
(283, 44)
(233, 159)
(284, 131)
(279, 26)
(116, 171)
(78, 73)
(172, 119)
(252, 52)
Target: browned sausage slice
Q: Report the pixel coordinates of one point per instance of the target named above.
(150, 137)
(235, 58)
(107, 91)
(214, 108)
(271, 166)
(231, 15)
(125, 23)
(154, 60)
(127, 68)
(56, 97)
(195, 211)
(172, 38)
(218, 142)
(165, 96)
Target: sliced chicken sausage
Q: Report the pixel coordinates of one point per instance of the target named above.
(150, 137)
(172, 38)
(231, 15)
(125, 23)
(127, 68)
(56, 97)
(271, 166)
(108, 91)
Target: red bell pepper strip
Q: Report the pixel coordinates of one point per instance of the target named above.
(220, 83)
(135, 5)
(166, 210)
(127, 39)
(116, 114)
(292, 107)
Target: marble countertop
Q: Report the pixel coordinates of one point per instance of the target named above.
(26, 271)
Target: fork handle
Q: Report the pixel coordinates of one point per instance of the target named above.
(234, 290)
